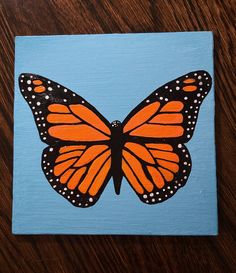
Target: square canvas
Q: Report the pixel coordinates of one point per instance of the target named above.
(114, 134)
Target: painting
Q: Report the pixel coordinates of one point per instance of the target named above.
(114, 134)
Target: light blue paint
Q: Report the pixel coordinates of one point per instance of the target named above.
(114, 73)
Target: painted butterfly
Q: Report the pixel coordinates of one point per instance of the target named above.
(85, 150)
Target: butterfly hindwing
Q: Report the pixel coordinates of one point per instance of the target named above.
(78, 172)
(170, 112)
(60, 114)
(155, 171)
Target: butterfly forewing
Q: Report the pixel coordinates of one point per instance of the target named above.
(60, 114)
(170, 113)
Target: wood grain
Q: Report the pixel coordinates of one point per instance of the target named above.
(122, 253)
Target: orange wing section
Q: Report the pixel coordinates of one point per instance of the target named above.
(78, 172)
(154, 121)
(76, 123)
(142, 116)
(152, 167)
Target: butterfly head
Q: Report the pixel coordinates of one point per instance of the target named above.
(116, 129)
(115, 124)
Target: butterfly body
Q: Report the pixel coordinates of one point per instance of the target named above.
(85, 150)
(117, 142)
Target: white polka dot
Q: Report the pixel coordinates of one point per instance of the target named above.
(49, 81)
(166, 99)
(151, 194)
(82, 101)
(46, 97)
(199, 77)
(22, 76)
(195, 101)
(185, 98)
(38, 103)
(198, 95)
(200, 83)
(161, 98)
(65, 90)
(179, 145)
(144, 196)
(90, 199)
(147, 101)
(153, 199)
(50, 149)
(29, 82)
(29, 88)
(49, 88)
(177, 88)
(166, 87)
(65, 100)
(177, 81)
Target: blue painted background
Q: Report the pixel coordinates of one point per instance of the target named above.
(114, 73)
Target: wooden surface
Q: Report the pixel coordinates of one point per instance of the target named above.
(122, 253)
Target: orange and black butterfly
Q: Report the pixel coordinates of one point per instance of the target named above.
(85, 150)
